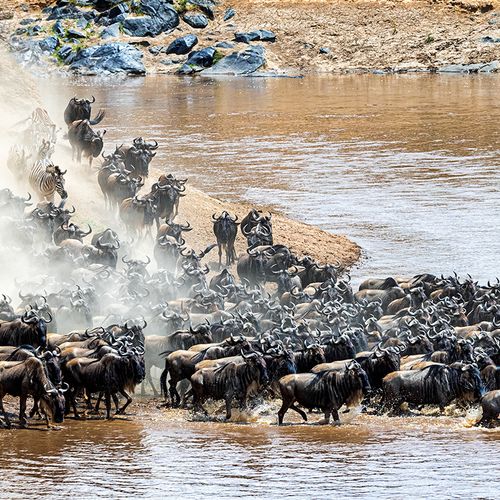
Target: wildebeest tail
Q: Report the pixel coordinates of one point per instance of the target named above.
(99, 117)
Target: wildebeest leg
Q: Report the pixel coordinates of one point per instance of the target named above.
(150, 381)
(121, 411)
(73, 403)
(229, 400)
(294, 407)
(284, 408)
(22, 411)
(220, 255)
(335, 414)
(6, 418)
(174, 395)
(108, 405)
(35, 409)
(90, 162)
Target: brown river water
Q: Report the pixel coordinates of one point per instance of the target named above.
(408, 167)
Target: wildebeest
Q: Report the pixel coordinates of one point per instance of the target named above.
(490, 405)
(110, 375)
(436, 384)
(85, 141)
(230, 381)
(28, 378)
(80, 109)
(138, 215)
(225, 230)
(30, 329)
(138, 156)
(325, 390)
(70, 231)
(166, 194)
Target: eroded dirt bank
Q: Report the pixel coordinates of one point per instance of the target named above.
(332, 35)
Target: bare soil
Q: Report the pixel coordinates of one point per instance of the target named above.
(358, 35)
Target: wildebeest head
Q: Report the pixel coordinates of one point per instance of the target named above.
(32, 317)
(53, 403)
(106, 240)
(471, 385)
(96, 143)
(354, 371)
(256, 359)
(53, 366)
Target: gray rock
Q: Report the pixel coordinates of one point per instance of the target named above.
(34, 30)
(28, 20)
(491, 67)
(155, 50)
(111, 31)
(206, 6)
(490, 39)
(65, 51)
(186, 69)
(182, 45)
(49, 44)
(239, 63)
(324, 50)
(253, 36)
(112, 58)
(224, 45)
(161, 17)
(229, 14)
(199, 21)
(76, 33)
(203, 58)
(82, 23)
(59, 28)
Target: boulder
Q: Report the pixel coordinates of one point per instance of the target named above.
(206, 6)
(112, 58)
(243, 62)
(256, 35)
(324, 50)
(58, 28)
(159, 17)
(74, 33)
(111, 31)
(203, 58)
(224, 45)
(182, 45)
(229, 14)
(491, 67)
(65, 51)
(49, 44)
(199, 21)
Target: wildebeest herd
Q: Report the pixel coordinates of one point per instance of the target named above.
(93, 321)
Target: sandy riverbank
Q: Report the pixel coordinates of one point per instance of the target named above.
(19, 96)
(336, 36)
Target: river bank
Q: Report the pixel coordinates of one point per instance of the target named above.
(293, 37)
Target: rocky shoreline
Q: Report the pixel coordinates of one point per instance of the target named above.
(265, 38)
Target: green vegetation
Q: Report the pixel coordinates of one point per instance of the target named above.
(429, 39)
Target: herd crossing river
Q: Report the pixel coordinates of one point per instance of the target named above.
(406, 166)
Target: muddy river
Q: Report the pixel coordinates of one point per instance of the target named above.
(406, 166)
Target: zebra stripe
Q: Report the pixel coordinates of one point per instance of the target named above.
(44, 183)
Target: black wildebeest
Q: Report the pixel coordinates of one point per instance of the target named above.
(166, 194)
(490, 404)
(258, 225)
(138, 215)
(28, 378)
(85, 140)
(138, 156)
(325, 390)
(230, 381)
(225, 230)
(111, 374)
(70, 231)
(30, 329)
(80, 109)
(435, 384)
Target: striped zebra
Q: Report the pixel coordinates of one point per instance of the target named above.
(46, 179)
